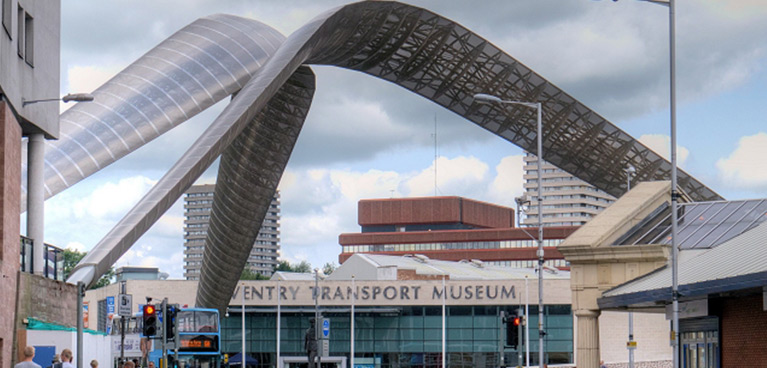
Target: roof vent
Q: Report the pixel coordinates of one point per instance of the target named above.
(477, 263)
(421, 258)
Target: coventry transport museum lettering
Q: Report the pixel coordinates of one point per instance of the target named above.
(368, 292)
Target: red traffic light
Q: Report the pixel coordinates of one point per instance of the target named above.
(149, 309)
(517, 321)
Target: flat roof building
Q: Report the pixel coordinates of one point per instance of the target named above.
(450, 228)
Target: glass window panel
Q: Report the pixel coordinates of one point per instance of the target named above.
(387, 334)
(486, 322)
(411, 322)
(486, 333)
(411, 346)
(459, 322)
(432, 346)
(411, 334)
(432, 322)
(432, 334)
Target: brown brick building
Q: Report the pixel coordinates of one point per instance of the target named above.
(451, 229)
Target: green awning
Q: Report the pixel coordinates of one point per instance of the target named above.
(36, 324)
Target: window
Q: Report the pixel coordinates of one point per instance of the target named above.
(29, 39)
(7, 20)
(20, 30)
(25, 35)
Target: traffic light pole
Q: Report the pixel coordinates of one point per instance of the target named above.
(164, 334)
(122, 328)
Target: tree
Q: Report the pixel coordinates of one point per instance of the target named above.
(329, 267)
(72, 258)
(248, 274)
(285, 266)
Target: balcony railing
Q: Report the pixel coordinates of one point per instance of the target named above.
(53, 267)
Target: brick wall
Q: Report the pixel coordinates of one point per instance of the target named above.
(743, 332)
(47, 300)
(10, 194)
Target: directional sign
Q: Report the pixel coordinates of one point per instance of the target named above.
(125, 305)
(325, 328)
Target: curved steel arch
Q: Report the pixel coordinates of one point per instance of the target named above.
(446, 63)
(211, 58)
(412, 47)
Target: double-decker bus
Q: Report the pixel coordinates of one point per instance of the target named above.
(198, 337)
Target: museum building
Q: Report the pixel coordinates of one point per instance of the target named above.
(398, 313)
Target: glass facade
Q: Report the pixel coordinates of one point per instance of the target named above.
(403, 336)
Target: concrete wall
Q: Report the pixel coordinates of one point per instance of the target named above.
(19, 79)
(651, 332)
(10, 192)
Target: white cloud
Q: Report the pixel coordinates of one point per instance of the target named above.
(661, 144)
(507, 184)
(86, 79)
(458, 176)
(745, 166)
(111, 200)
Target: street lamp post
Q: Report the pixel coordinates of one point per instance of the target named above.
(674, 193)
(36, 184)
(485, 98)
(630, 171)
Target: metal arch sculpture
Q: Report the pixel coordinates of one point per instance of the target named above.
(446, 63)
(417, 49)
(204, 62)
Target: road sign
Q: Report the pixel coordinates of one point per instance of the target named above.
(110, 313)
(325, 328)
(125, 305)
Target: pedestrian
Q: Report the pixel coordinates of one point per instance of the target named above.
(29, 353)
(94, 363)
(602, 364)
(55, 362)
(66, 359)
(150, 364)
(129, 364)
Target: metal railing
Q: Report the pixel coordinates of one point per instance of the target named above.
(53, 267)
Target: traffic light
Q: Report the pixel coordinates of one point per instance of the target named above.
(513, 330)
(170, 322)
(149, 317)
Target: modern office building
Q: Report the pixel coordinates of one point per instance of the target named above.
(197, 206)
(29, 70)
(452, 229)
(567, 200)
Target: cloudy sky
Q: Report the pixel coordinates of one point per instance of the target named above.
(366, 138)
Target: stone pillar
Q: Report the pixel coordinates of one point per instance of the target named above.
(36, 199)
(588, 338)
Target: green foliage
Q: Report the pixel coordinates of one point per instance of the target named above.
(329, 267)
(248, 274)
(73, 257)
(285, 266)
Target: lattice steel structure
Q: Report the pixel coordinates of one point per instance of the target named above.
(412, 47)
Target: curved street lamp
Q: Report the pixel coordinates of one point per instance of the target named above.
(77, 97)
(490, 99)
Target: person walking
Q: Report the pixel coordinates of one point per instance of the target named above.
(66, 359)
(29, 354)
(55, 362)
(94, 363)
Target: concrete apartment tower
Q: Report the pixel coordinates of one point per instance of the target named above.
(198, 201)
(567, 200)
